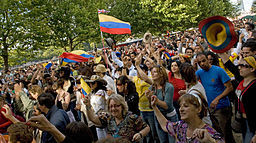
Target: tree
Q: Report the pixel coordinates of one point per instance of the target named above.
(73, 23)
(12, 17)
(182, 14)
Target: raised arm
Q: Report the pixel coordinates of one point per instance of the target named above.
(8, 114)
(90, 113)
(142, 74)
(36, 73)
(160, 117)
(40, 122)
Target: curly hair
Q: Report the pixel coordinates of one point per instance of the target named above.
(119, 100)
(20, 132)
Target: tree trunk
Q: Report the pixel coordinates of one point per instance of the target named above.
(5, 57)
(71, 44)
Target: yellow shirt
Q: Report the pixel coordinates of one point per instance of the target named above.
(232, 59)
(141, 87)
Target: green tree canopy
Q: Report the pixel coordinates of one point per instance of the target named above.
(32, 29)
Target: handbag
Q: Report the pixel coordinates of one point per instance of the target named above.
(238, 122)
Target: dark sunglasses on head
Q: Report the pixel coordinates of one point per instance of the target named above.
(244, 65)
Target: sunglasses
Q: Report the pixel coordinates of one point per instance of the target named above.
(244, 66)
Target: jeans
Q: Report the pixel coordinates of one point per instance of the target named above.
(247, 134)
(223, 117)
(148, 117)
(163, 136)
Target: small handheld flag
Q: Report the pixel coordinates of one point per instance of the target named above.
(85, 88)
(47, 65)
(167, 55)
(168, 34)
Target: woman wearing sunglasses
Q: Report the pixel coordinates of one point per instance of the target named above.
(246, 98)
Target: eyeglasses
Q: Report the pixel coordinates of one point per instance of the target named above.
(115, 106)
(244, 66)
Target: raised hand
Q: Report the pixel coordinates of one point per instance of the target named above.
(87, 101)
(40, 122)
(138, 60)
(202, 136)
(8, 113)
(154, 100)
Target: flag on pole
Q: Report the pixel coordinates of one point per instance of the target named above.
(47, 65)
(103, 11)
(113, 25)
(85, 88)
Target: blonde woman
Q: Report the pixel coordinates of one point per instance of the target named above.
(120, 122)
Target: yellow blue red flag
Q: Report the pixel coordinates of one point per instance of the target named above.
(85, 88)
(47, 65)
(113, 25)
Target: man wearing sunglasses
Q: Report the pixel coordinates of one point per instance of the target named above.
(128, 65)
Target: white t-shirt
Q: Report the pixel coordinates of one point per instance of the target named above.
(98, 100)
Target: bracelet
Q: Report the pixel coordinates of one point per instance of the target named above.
(141, 136)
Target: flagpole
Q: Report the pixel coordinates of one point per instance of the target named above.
(102, 39)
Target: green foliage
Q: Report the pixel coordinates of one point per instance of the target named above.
(39, 29)
(253, 9)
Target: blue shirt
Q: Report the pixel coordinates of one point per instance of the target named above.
(213, 82)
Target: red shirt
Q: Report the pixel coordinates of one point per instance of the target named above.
(239, 90)
(4, 123)
(178, 85)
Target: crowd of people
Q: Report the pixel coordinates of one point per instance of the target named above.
(171, 89)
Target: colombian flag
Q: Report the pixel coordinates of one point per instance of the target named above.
(47, 65)
(76, 56)
(85, 88)
(113, 25)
